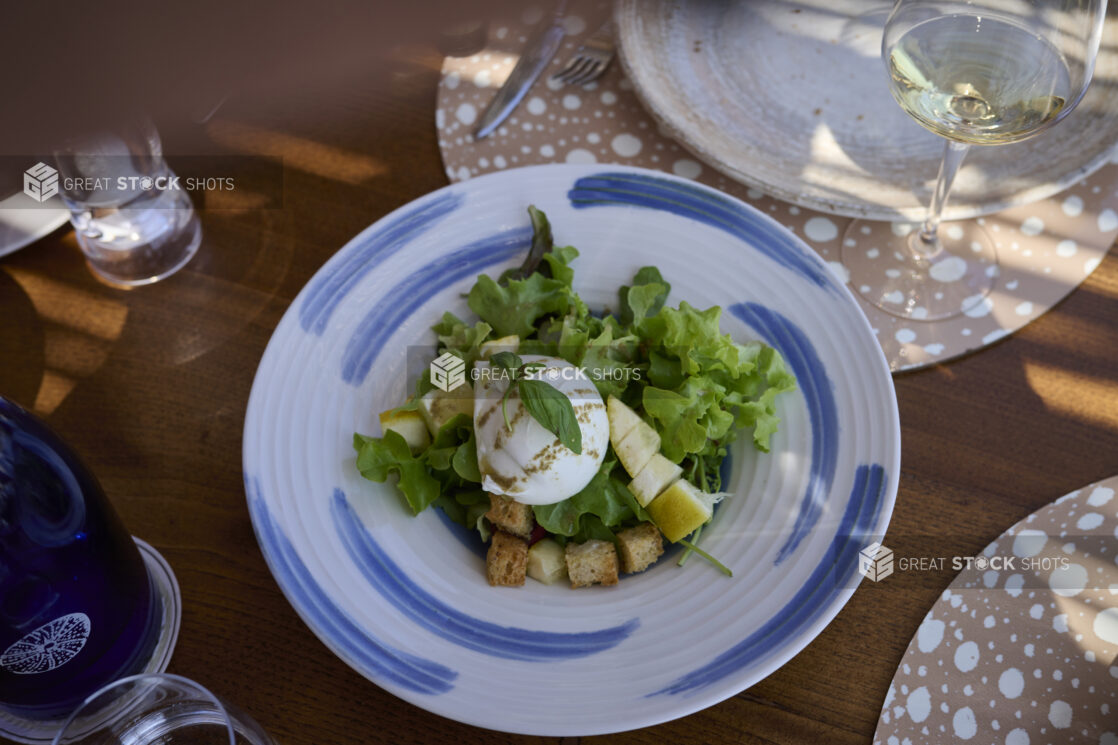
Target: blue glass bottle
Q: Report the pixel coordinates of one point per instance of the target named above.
(78, 608)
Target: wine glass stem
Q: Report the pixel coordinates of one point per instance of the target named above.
(926, 244)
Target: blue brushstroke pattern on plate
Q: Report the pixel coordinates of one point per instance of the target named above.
(372, 655)
(828, 580)
(392, 583)
(818, 391)
(326, 292)
(708, 207)
(378, 325)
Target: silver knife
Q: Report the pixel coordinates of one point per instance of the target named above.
(528, 68)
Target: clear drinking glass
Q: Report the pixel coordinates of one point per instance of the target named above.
(976, 72)
(82, 603)
(134, 222)
(155, 709)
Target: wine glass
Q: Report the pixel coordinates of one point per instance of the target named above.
(976, 72)
(154, 709)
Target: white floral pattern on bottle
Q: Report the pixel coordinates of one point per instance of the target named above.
(48, 647)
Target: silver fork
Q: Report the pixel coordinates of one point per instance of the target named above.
(590, 60)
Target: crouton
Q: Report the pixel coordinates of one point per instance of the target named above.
(640, 546)
(592, 562)
(510, 516)
(506, 563)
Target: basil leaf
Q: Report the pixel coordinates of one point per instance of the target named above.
(553, 410)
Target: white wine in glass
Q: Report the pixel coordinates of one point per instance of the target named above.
(987, 72)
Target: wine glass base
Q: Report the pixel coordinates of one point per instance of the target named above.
(889, 275)
(42, 731)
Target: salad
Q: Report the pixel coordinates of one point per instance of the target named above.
(573, 442)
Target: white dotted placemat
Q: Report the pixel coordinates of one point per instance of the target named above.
(1046, 249)
(1021, 655)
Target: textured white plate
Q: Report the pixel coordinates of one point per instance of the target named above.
(21, 226)
(791, 98)
(404, 600)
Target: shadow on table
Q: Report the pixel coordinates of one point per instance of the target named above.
(61, 325)
(21, 343)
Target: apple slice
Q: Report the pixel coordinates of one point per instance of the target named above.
(504, 344)
(681, 509)
(439, 407)
(637, 448)
(547, 562)
(409, 425)
(622, 419)
(656, 476)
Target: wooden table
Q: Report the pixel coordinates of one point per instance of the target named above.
(151, 386)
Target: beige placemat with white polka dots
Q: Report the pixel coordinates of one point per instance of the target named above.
(1045, 249)
(1022, 648)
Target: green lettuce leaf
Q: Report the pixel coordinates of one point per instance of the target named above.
(456, 336)
(464, 461)
(516, 307)
(592, 528)
(559, 262)
(755, 401)
(378, 457)
(665, 371)
(645, 297)
(704, 386)
(606, 498)
(601, 346)
(467, 508)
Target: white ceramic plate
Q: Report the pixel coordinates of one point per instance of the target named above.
(21, 226)
(404, 600)
(791, 98)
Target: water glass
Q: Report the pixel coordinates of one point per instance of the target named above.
(133, 220)
(81, 602)
(158, 708)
